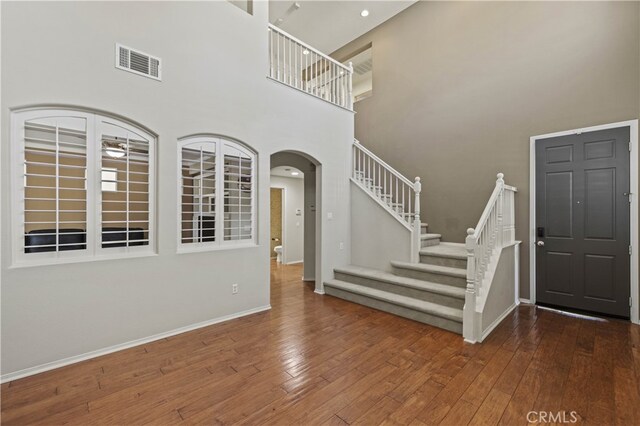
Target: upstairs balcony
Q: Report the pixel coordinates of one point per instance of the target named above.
(296, 64)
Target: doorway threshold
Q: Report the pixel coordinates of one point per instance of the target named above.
(572, 314)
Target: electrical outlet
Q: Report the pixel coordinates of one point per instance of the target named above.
(341, 245)
(234, 288)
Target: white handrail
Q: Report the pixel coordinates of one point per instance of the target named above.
(383, 163)
(397, 194)
(298, 65)
(486, 213)
(495, 230)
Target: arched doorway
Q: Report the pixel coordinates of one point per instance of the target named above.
(311, 170)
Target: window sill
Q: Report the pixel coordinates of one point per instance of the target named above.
(185, 249)
(69, 260)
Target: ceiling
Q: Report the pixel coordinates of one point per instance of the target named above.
(285, 171)
(329, 25)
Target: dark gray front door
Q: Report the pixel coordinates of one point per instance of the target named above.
(582, 221)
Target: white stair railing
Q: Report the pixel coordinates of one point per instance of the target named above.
(298, 65)
(397, 194)
(495, 230)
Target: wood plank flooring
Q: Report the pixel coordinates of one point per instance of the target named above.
(324, 361)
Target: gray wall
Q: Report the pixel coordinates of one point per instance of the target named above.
(214, 81)
(459, 87)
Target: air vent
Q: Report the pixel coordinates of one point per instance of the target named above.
(137, 62)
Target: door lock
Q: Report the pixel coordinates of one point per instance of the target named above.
(540, 243)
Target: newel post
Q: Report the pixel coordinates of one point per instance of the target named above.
(415, 235)
(500, 230)
(469, 326)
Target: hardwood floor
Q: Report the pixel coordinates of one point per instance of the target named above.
(320, 360)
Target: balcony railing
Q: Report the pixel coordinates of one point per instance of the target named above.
(296, 64)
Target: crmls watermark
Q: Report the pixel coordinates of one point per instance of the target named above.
(552, 417)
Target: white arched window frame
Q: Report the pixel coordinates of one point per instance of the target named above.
(61, 203)
(216, 194)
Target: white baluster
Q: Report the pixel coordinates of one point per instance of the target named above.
(500, 206)
(397, 194)
(350, 89)
(373, 181)
(270, 52)
(278, 58)
(354, 159)
(384, 184)
(307, 79)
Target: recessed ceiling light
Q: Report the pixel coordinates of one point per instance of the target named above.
(294, 173)
(364, 13)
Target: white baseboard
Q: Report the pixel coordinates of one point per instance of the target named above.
(294, 262)
(497, 321)
(104, 351)
(318, 292)
(526, 301)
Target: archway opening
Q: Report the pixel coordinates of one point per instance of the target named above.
(295, 182)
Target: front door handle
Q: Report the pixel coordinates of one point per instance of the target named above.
(540, 243)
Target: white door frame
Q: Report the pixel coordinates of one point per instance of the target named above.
(633, 229)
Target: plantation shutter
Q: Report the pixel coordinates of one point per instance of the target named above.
(198, 192)
(55, 184)
(125, 213)
(238, 193)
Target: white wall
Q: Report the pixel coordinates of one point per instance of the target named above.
(214, 68)
(502, 295)
(293, 225)
(377, 237)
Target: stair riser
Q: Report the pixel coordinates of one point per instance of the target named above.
(419, 316)
(430, 276)
(430, 242)
(430, 259)
(402, 290)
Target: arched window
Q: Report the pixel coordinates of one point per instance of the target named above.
(84, 186)
(216, 192)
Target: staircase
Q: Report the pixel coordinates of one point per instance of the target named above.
(416, 275)
(431, 291)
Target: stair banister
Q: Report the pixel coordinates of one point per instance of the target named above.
(381, 162)
(393, 191)
(495, 230)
